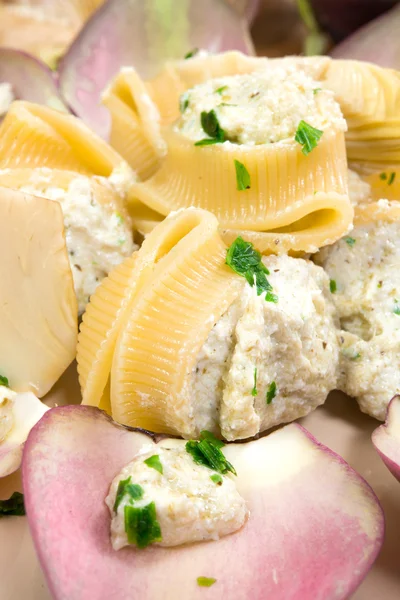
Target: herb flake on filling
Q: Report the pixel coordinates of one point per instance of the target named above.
(210, 124)
(307, 136)
(141, 525)
(125, 487)
(271, 392)
(208, 453)
(154, 463)
(254, 391)
(4, 381)
(246, 261)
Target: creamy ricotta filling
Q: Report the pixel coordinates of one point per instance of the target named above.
(6, 97)
(359, 190)
(98, 237)
(6, 411)
(263, 107)
(366, 270)
(189, 505)
(257, 347)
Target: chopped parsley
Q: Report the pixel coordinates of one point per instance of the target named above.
(126, 488)
(316, 90)
(210, 124)
(141, 525)
(254, 391)
(154, 463)
(246, 261)
(383, 176)
(332, 286)
(119, 218)
(350, 241)
(206, 581)
(14, 506)
(191, 53)
(396, 309)
(208, 453)
(243, 180)
(4, 381)
(221, 89)
(184, 102)
(308, 137)
(216, 479)
(271, 392)
(380, 283)
(391, 178)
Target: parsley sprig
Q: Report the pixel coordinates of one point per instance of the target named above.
(246, 261)
(308, 137)
(207, 452)
(211, 126)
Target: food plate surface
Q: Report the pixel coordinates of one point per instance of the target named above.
(338, 424)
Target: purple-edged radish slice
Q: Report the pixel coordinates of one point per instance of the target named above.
(376, 42)
(18, 414)
(143, 34)
(386, 438)
(314, 530)
(29, 78)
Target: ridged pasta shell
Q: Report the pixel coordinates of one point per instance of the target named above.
(109, 308)
(135, 123)
(157, 349)
(369, 96)
(32, 135)
(286, 186)
(385, 184)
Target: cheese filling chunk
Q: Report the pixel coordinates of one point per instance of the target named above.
(263, 107)
(6, 97)
(98, 236)
(366, 269)
(189, 505)
(267, 363)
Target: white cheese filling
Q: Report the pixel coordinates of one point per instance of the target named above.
(6, 412)
(263, 107)
(98, 237)
(6, 98)
(366, 269)
(190, 506)
(359, 190)
(292, 344)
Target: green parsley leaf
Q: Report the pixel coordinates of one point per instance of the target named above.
(4, 381)
(184, 102)
(207, 435)
(254, 391)
(216, 479)
(191, 53)
(125, 487)
(14, 506)
(350, 241)
(209, 454)
(246, 261)
(119, 217)
(221, 89)
(391, 178)
(379, 284)
(210, 124)
(316, 90)
(332, 286)
(383, 176)
(308, 137)
(243, 181)
(206, 581)
(207, 142)
(271, 392)
(396, 310)
(141, 525)
(154, 463)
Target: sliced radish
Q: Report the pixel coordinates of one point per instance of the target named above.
(25, 411)
(386, 438)
(376, 42)
(30, 78)
(143, 34)
(314, 530)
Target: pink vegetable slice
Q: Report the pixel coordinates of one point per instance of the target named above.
(143, 34)
(377, 42)
(30, 79)
(386, 438)
(314, 530)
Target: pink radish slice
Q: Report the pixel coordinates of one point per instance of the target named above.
(143, 34)
(314, 530)
(30, 79)
(386, 438)
(377, 42)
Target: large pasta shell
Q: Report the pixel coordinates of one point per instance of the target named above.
(135, 123)
(37, 136)
(156, 352)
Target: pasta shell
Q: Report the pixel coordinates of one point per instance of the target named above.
(385, 184)
(157, 349)
(32, 135)
(383, 210)
(135, 128)
(286, 186)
